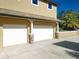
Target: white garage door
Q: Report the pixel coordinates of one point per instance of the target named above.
(42, 32)
(14, 34)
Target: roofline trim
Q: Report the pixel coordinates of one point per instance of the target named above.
(12, 13)
(48, 1)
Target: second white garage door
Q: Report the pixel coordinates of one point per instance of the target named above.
(14, 34)
(42, 32)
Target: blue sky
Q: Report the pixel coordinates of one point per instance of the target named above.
(67, 5)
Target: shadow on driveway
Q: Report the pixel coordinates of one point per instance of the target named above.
(69, 45)
(73, 54)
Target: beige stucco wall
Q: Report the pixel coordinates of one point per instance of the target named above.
(27, 7)
(1, 36)
(10, 20)
(67, 34)
(44, 23)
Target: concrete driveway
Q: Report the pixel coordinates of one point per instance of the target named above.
(67, 48)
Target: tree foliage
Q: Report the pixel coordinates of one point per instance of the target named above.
(70, 20)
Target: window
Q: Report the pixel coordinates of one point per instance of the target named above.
(35, 2)
(49, 6)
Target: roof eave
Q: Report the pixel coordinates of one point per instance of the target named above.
(24, 15)
(48, 1)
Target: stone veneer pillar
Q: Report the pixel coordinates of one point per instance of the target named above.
(30, 32)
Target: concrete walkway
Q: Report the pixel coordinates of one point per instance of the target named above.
(67, 48)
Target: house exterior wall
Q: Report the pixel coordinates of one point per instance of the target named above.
(27, 7)
(18, 21)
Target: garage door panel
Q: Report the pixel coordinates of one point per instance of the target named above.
(14, 34)
(42, 32)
